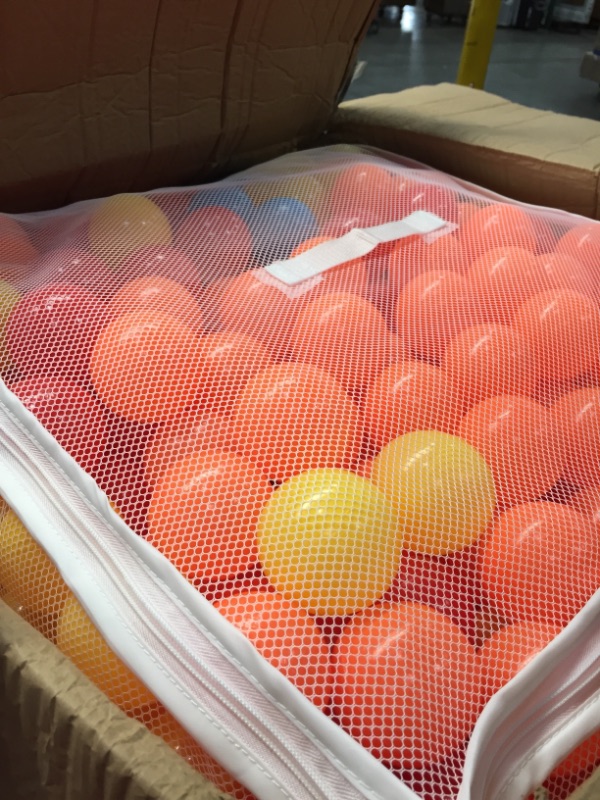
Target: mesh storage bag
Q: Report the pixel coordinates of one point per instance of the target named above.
(302, 470)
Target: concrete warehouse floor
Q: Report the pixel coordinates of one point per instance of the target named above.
(537, 68)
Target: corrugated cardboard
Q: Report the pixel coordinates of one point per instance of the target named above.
(527, 154)
(125, 95)
(62, 739)
(589, 790)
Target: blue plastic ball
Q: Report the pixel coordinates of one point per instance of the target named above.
(278, 226)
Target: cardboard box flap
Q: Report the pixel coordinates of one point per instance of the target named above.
(124, 95)
(60, 737)
(531, 155)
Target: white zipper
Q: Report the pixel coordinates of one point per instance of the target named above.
(537, 719)
(556, 727)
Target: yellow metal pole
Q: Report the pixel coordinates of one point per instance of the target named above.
(477, 46)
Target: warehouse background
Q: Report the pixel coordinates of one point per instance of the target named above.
(537, 58)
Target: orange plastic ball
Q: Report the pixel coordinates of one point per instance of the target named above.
(362, 186)
(498, 225)
(562, 329)
(522, 444)
(540, 562)
(431, 309)
(579, 414)
(409, 396)
(445, 252)
(487, 360)
(203, 515)
(295, 417)
(587, 502)
(465, 210)
(184, 436)
(229, 360)
(247, 305)
(147, 366)
(583, 243)
(407, 685)
(566, 272)
(511, 648)
(502, 279)
(343, 334)
(415, 256)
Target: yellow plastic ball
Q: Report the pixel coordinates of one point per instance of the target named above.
(8, 299)
(27, 575)
(124, 223)
(329, 540)
(441, 488)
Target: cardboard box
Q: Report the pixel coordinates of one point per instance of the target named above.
(60, 737)
(535, 156)
(589, 790)
(125, 95)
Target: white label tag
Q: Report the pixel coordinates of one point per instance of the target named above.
(289, 291)
(358, 242)
(450, 227)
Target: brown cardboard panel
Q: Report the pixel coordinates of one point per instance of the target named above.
(589, 790)
(62, 739)
(103, 96)
(527, 154)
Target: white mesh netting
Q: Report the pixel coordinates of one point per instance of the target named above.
(387, 476)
